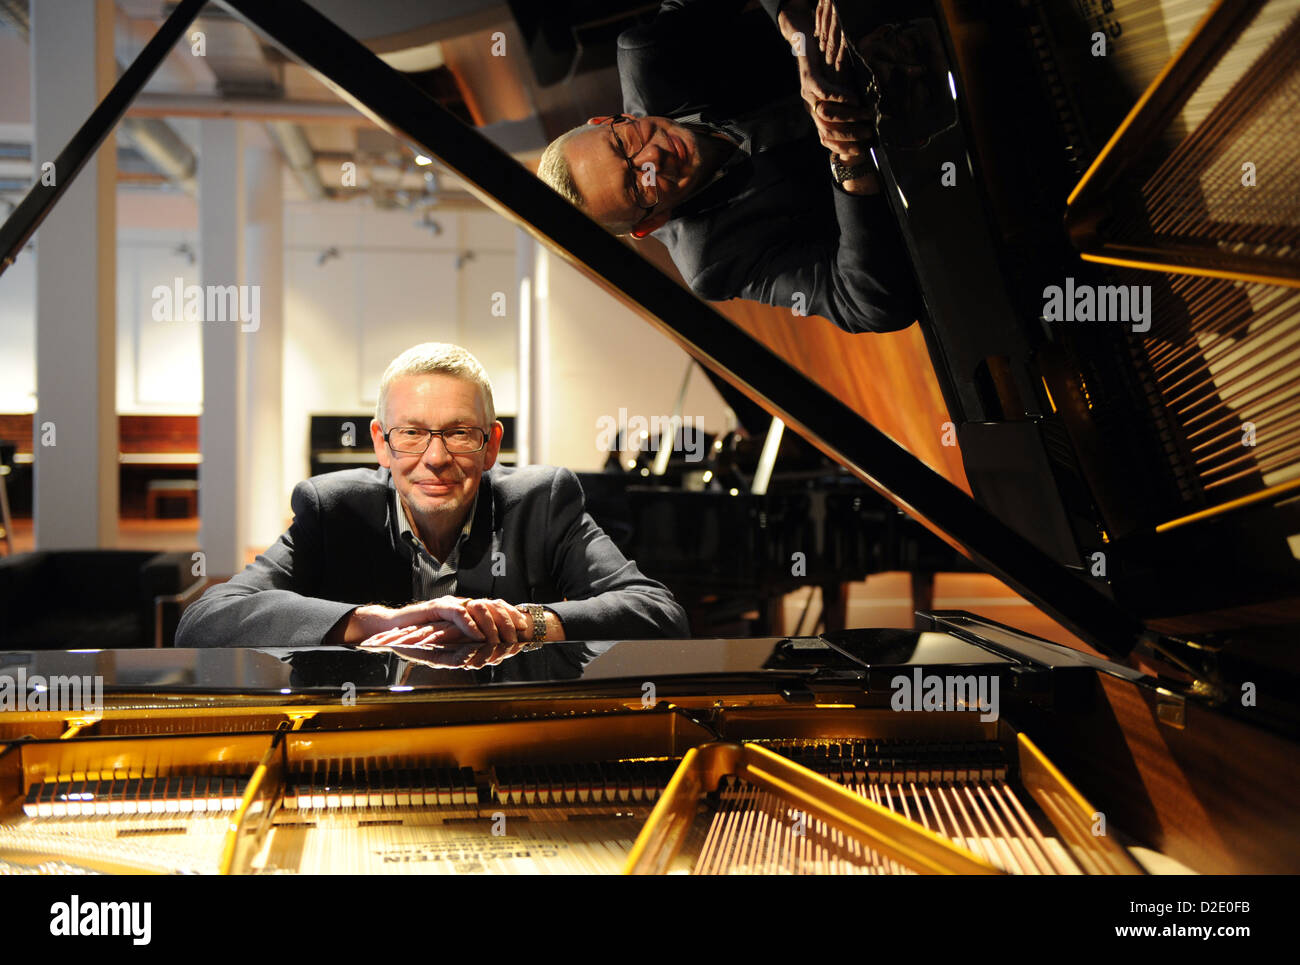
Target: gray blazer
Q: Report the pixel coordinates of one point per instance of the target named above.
(531, 542)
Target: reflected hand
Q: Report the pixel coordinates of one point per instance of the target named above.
(443, 646)
(830, 36)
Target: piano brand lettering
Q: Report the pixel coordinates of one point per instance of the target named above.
(21, 694)
(946, 692)
(103, 918)
(687, 433)
(1090, 303)
(208, 303)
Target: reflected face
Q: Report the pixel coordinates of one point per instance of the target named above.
(437, 486)
(601, 175)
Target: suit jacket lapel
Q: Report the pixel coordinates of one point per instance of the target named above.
(475, 576)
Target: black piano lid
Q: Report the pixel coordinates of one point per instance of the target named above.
(390, 100)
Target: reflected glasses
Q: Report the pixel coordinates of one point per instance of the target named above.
(628, 138)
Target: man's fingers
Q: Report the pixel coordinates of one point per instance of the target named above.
(520, 622)
(416, 636)
(388, 636)
(854, 135)
(832, 35)
(377, 640)
(835, 137)
(811, 90)
(845, 149)
(506, 627)
(508, 622)
(838, 111)
(439, 658)
(448, 609)
(839, 44)
(478, 655)
(484, 656)
(523, 621)
(413, 636)
(814, 92)
(502, 652)
(447, 636)
(481, 612)
(469, 633)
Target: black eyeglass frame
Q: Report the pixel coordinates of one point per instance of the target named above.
(485, 434)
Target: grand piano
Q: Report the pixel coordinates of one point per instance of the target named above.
(764, 515)
(1102, 493)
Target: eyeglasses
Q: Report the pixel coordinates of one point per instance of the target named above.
(414, 441)
(628, 138)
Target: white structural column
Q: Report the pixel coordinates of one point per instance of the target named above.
(264, 348)
(532, 422)
(76, 467)
(223, 474)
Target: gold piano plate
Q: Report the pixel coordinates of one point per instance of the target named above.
(816, 790)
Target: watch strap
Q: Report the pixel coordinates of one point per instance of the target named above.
(538, 613)
(846, 172)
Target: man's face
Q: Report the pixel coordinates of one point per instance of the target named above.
(436, 484)
(601, 175)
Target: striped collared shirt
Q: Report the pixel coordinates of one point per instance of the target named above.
(430, 578)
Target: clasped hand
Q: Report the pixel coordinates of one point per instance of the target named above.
(845, 126)
(451, 631)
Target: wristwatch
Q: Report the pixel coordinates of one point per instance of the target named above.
(538, 613)
(844, 172)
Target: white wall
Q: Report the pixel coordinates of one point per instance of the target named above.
(393, 284)
(18, 335)
(602, 357)
(157, 363)
(159, 366)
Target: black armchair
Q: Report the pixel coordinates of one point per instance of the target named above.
(101, 599)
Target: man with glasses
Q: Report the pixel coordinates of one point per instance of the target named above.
(749, 158)
(438, 550)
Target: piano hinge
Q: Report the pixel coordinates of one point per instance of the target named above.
(1198, 660)
(1171, 708)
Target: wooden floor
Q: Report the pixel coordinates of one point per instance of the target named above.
(882, 601)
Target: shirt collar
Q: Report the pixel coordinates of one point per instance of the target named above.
(702, 197)
(407, 534)
(735, 134)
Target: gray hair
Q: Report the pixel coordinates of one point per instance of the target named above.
(436, 358)
(553, 168)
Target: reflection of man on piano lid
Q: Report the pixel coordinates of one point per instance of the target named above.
(497, 560)
(722, 155)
